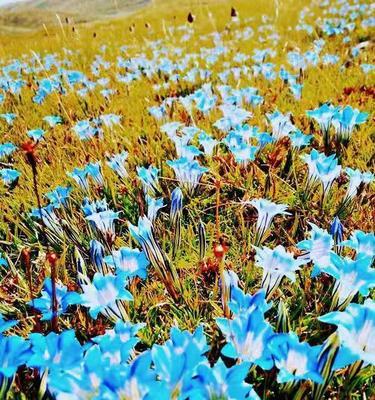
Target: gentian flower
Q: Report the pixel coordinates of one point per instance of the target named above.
(36, 134)
(59, 196)
(149, 178)
(185, 351)
(295, 360)
(55, 352)
(318, 249)
(5, 325)
(277, 264)
(8, 117)
(117, 163)
(321, 168)
(323, 116)
(53, 120)
(248, 335)
(6, 149)
(188, 173)
(267, 210)
(103, 293)
(281, 125)
(63, 300)
(352, 276)
(14, 352)
(337, 230)
(80, 176)
(9, 176)
(356, 329)
(208, 143)
(299, 139)
(363, 243)
(356, 178)
(221, 382)
(143, 234)
(153, 206)
(131, 262)
(345, 120)
(97, 256)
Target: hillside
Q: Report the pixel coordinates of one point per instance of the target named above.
(36, 13)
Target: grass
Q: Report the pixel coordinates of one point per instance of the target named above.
(140, 135)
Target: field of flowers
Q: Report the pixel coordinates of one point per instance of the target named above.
(187, 204)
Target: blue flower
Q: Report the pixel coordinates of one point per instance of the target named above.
(9, 118)
(176, 203)
(54, 351)
(295, 360)
(94, 170)
(363, 243)
(153, 206)
(80, 176)
(247, 335)
(63, 300)
(345, 120)
(131, 262)
(356, 178)
(337, 230)
(323, 116)
(188, 173)
(277, 264)
(149, 178)
(9, 176)
(356, 329)
(221, 382)
(97, 256)
(59, 196)
(53, 120)
(14, 352)
(86, 130)
(36, 134)
(6, 149)
(241, 302)
(322, 168)
(117, 163)
(352, 276)
(318, 249)
(243, 153)
(299, 139)
(208, 143)
(281, 125)
(267, 210)
(5, 325)
(184, 351)
(101, 295)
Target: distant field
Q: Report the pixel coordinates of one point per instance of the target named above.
(33, 14)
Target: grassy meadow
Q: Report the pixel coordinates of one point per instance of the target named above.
(215, 230)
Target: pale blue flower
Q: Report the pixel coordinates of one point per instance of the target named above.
(131, 262)
(247, 336)
(117, 163)
(345, 120)
(267, 210)
(295, 360)
(356, 178)
(318, 249)
(276, 263)
(363, 243)
(351, 276)
(188, 173)
(102, 294)
(322, 168)
(281, 125)
(9, 176)
(356, 329)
